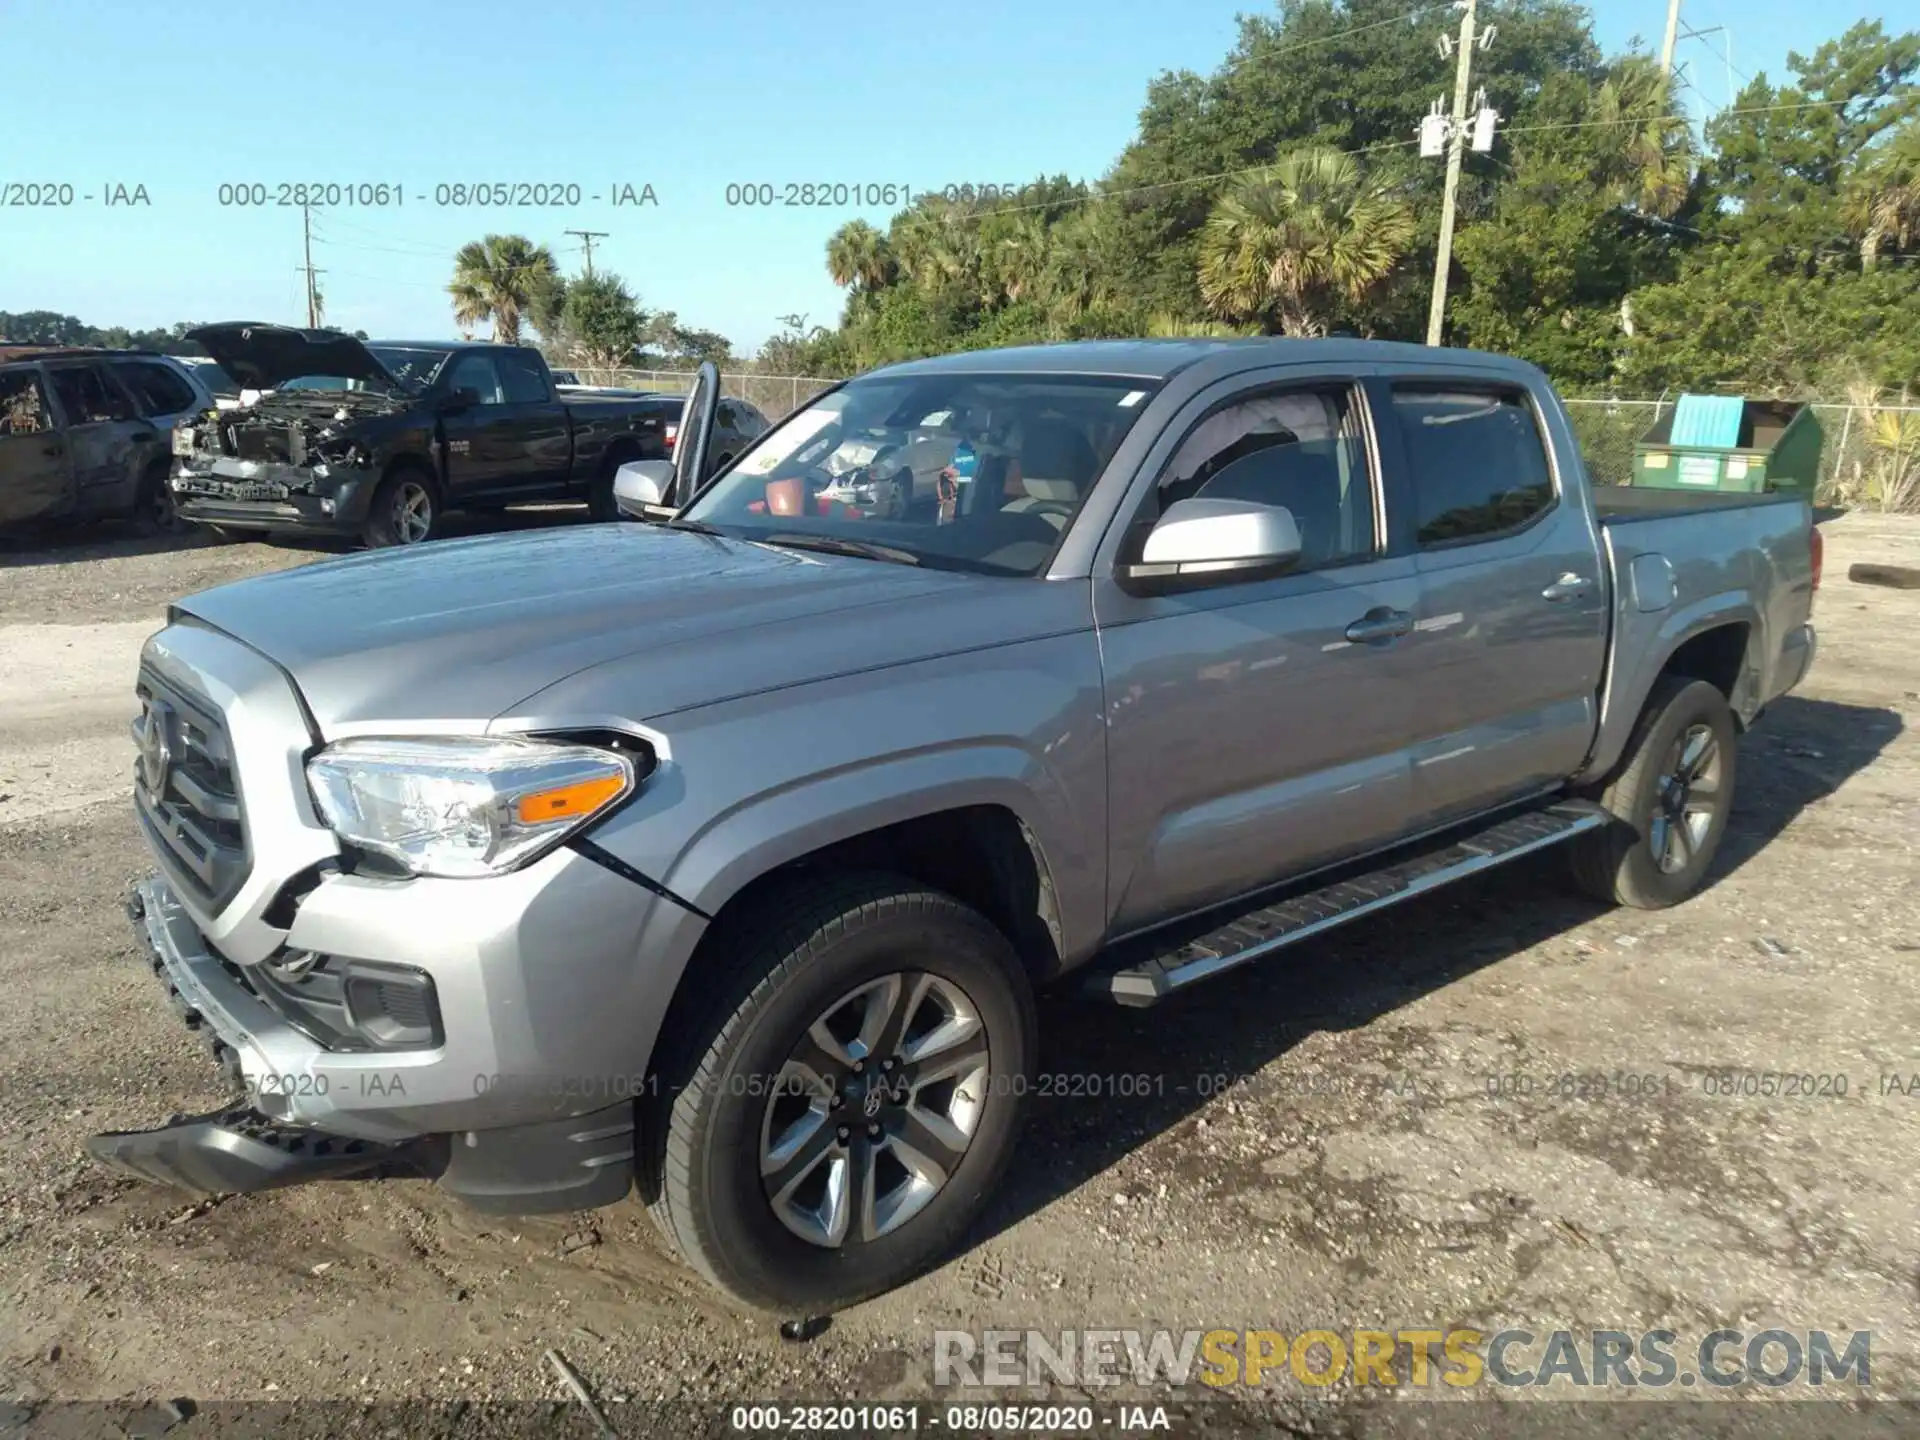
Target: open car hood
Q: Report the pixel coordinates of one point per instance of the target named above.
(264, 357)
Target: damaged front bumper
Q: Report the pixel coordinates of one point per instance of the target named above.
(271, 495)
(564, 1163)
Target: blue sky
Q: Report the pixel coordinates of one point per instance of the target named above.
(686, 98)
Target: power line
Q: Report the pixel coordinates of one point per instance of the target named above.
(587, 237)
(1265, 166)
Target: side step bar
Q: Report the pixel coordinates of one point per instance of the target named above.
(1171, 963)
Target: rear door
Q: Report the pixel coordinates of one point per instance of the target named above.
(1257, 729)
(110, 443)
(36, 462)
(1511, 639)
(161, 394)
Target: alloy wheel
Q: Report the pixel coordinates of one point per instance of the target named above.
(874, 1109)
(412, 512)
(1686, 798)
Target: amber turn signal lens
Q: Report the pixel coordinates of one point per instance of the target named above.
(568, 802)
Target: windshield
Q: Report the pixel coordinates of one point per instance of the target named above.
(413, 368)
(956, 471)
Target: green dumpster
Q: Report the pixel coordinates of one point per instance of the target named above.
(1724, 442)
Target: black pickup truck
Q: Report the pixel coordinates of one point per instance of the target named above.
(379, 439)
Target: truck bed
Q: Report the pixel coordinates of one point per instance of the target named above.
(1623, 504)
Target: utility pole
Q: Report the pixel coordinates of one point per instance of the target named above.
(1456, 144)
(1673, 36)
(306, 244)
(587, 237)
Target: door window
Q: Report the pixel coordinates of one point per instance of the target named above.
(521, 375)
(1298, 448)
(476, 372)
(1475, 460)
(23, 405)
(157, 390)
(87, 396)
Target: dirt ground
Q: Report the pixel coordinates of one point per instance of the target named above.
(1358, 1170)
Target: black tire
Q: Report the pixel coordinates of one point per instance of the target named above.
(767, 975)
(1621, 862)
(153, 512)
(407, 489)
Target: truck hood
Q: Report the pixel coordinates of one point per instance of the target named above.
(264, 357)
(458, 633)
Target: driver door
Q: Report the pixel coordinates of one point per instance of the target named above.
(1257, 729)
(482, 455)
(693, 447)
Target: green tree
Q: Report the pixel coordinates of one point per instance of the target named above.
(602, 320)
(1289, 246)
(859, 255)
(496, 279)
(1881, 199)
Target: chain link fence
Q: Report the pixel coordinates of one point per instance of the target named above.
(775, 396)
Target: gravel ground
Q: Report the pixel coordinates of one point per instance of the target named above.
(1319, 1144)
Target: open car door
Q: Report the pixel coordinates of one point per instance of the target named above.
(695, 440)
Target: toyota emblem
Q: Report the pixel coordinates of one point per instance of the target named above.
(875, 1099)
(156, 747)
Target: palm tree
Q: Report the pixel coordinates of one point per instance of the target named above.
(1882, 200)
(1083, 262)
(498, 279)
(1287, 245)
(858, 255)
(1655, 149)
(938, 244)
(1020, 255)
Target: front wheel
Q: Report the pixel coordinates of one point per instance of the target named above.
(405, 510)
(837, 1120)
(1669, 801)
(153, 512)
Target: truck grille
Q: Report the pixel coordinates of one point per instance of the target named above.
(186, 793)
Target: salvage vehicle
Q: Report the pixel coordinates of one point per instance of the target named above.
(381, 439)
(83, 434)
(722, 857)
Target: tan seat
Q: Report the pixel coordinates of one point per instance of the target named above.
(1056, 467)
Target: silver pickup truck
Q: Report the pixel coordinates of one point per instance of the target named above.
(721, 858)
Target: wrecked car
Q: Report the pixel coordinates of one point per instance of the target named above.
(381, 439)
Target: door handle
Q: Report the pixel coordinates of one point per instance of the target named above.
(1566, 587)
(54, 451)
(1379, 624)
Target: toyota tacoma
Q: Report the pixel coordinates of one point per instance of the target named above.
(721, 858)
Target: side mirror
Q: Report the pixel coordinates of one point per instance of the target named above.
(1202, 540)
(640, 485)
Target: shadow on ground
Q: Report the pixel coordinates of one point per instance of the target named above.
(1234, 1026)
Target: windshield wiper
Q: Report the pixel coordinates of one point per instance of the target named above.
(698, 527)
(839, 545)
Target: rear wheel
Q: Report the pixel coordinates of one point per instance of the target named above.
(1669, 801)
(830, 1128)
(405, 510)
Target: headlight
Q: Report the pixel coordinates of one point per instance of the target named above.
(458, 807)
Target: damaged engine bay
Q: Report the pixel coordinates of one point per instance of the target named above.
(290, 428)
